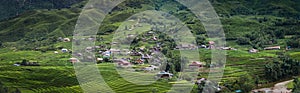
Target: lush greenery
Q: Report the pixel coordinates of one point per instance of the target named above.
(282, 68)
(31, 30)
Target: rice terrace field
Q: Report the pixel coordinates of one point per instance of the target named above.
(149, 46)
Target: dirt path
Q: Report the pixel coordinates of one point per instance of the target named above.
(278, 87)
(282, 84)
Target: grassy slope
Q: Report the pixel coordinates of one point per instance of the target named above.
(13, 8)
(238, 62)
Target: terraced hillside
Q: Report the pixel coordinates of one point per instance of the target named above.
(31, 30)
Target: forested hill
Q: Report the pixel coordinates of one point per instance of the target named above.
(280, 8)
(13, 8)
(258, 23)
(286, 8)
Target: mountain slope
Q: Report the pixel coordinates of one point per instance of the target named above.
(13, 8)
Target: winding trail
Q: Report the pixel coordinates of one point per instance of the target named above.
(278, 88)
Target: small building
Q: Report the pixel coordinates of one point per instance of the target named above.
(203, 46)
(186, 46)
(164, 74)
(288, 48)
(211, 45)
(89, 48)
(130, 36)
(227, 48)
(154, 67)
(115, 51)
(78, 54)
(66, 39)
(122, 63)
(154, 38)
(91, 39)
(150, 33)
(114, 43)
(140, 61)
(99, 59)
(73, 60)
(64, 50)
(17, 65)
(196, 64)
(253, 50)
(272, 48)
(55, 52)
(150, 68)
(146, 56)
(200, 80)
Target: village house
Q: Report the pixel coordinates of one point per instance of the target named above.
(186, 46)
(64, 50)
(17, 64)
(202, 46)
(91, 39)
(135, 53)
(145, 56)
(116, 51)
(154, 38)
(196, 64)
(253, 50)
(211, 45)
(114, 43)
(150, 33)
(66, 40)
(150, 68)
(139, 61)
(99, 59)
(73, 60)
(97, 47)
(272, 48)
(130, 36)
(89, 48)
(164, 74)
(78, 54)
(122, 63)
(227, 48)
(199, 81)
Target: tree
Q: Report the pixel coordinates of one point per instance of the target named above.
(243, 41)
(24, 62)
(296, 88)
(3, 89)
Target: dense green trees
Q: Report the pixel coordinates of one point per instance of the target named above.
(5, 89)
(243, 41)
(294, 42)
(245, 83)
(282, 68)
(296, 85)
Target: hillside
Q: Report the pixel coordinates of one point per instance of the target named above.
(238, 17)
(32, 30)
(14, 8)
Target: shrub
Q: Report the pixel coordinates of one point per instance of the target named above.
(243, 41)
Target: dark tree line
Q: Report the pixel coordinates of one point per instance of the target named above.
(5, 89)
(283, 67)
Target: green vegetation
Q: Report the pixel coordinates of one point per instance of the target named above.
(30, 31)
